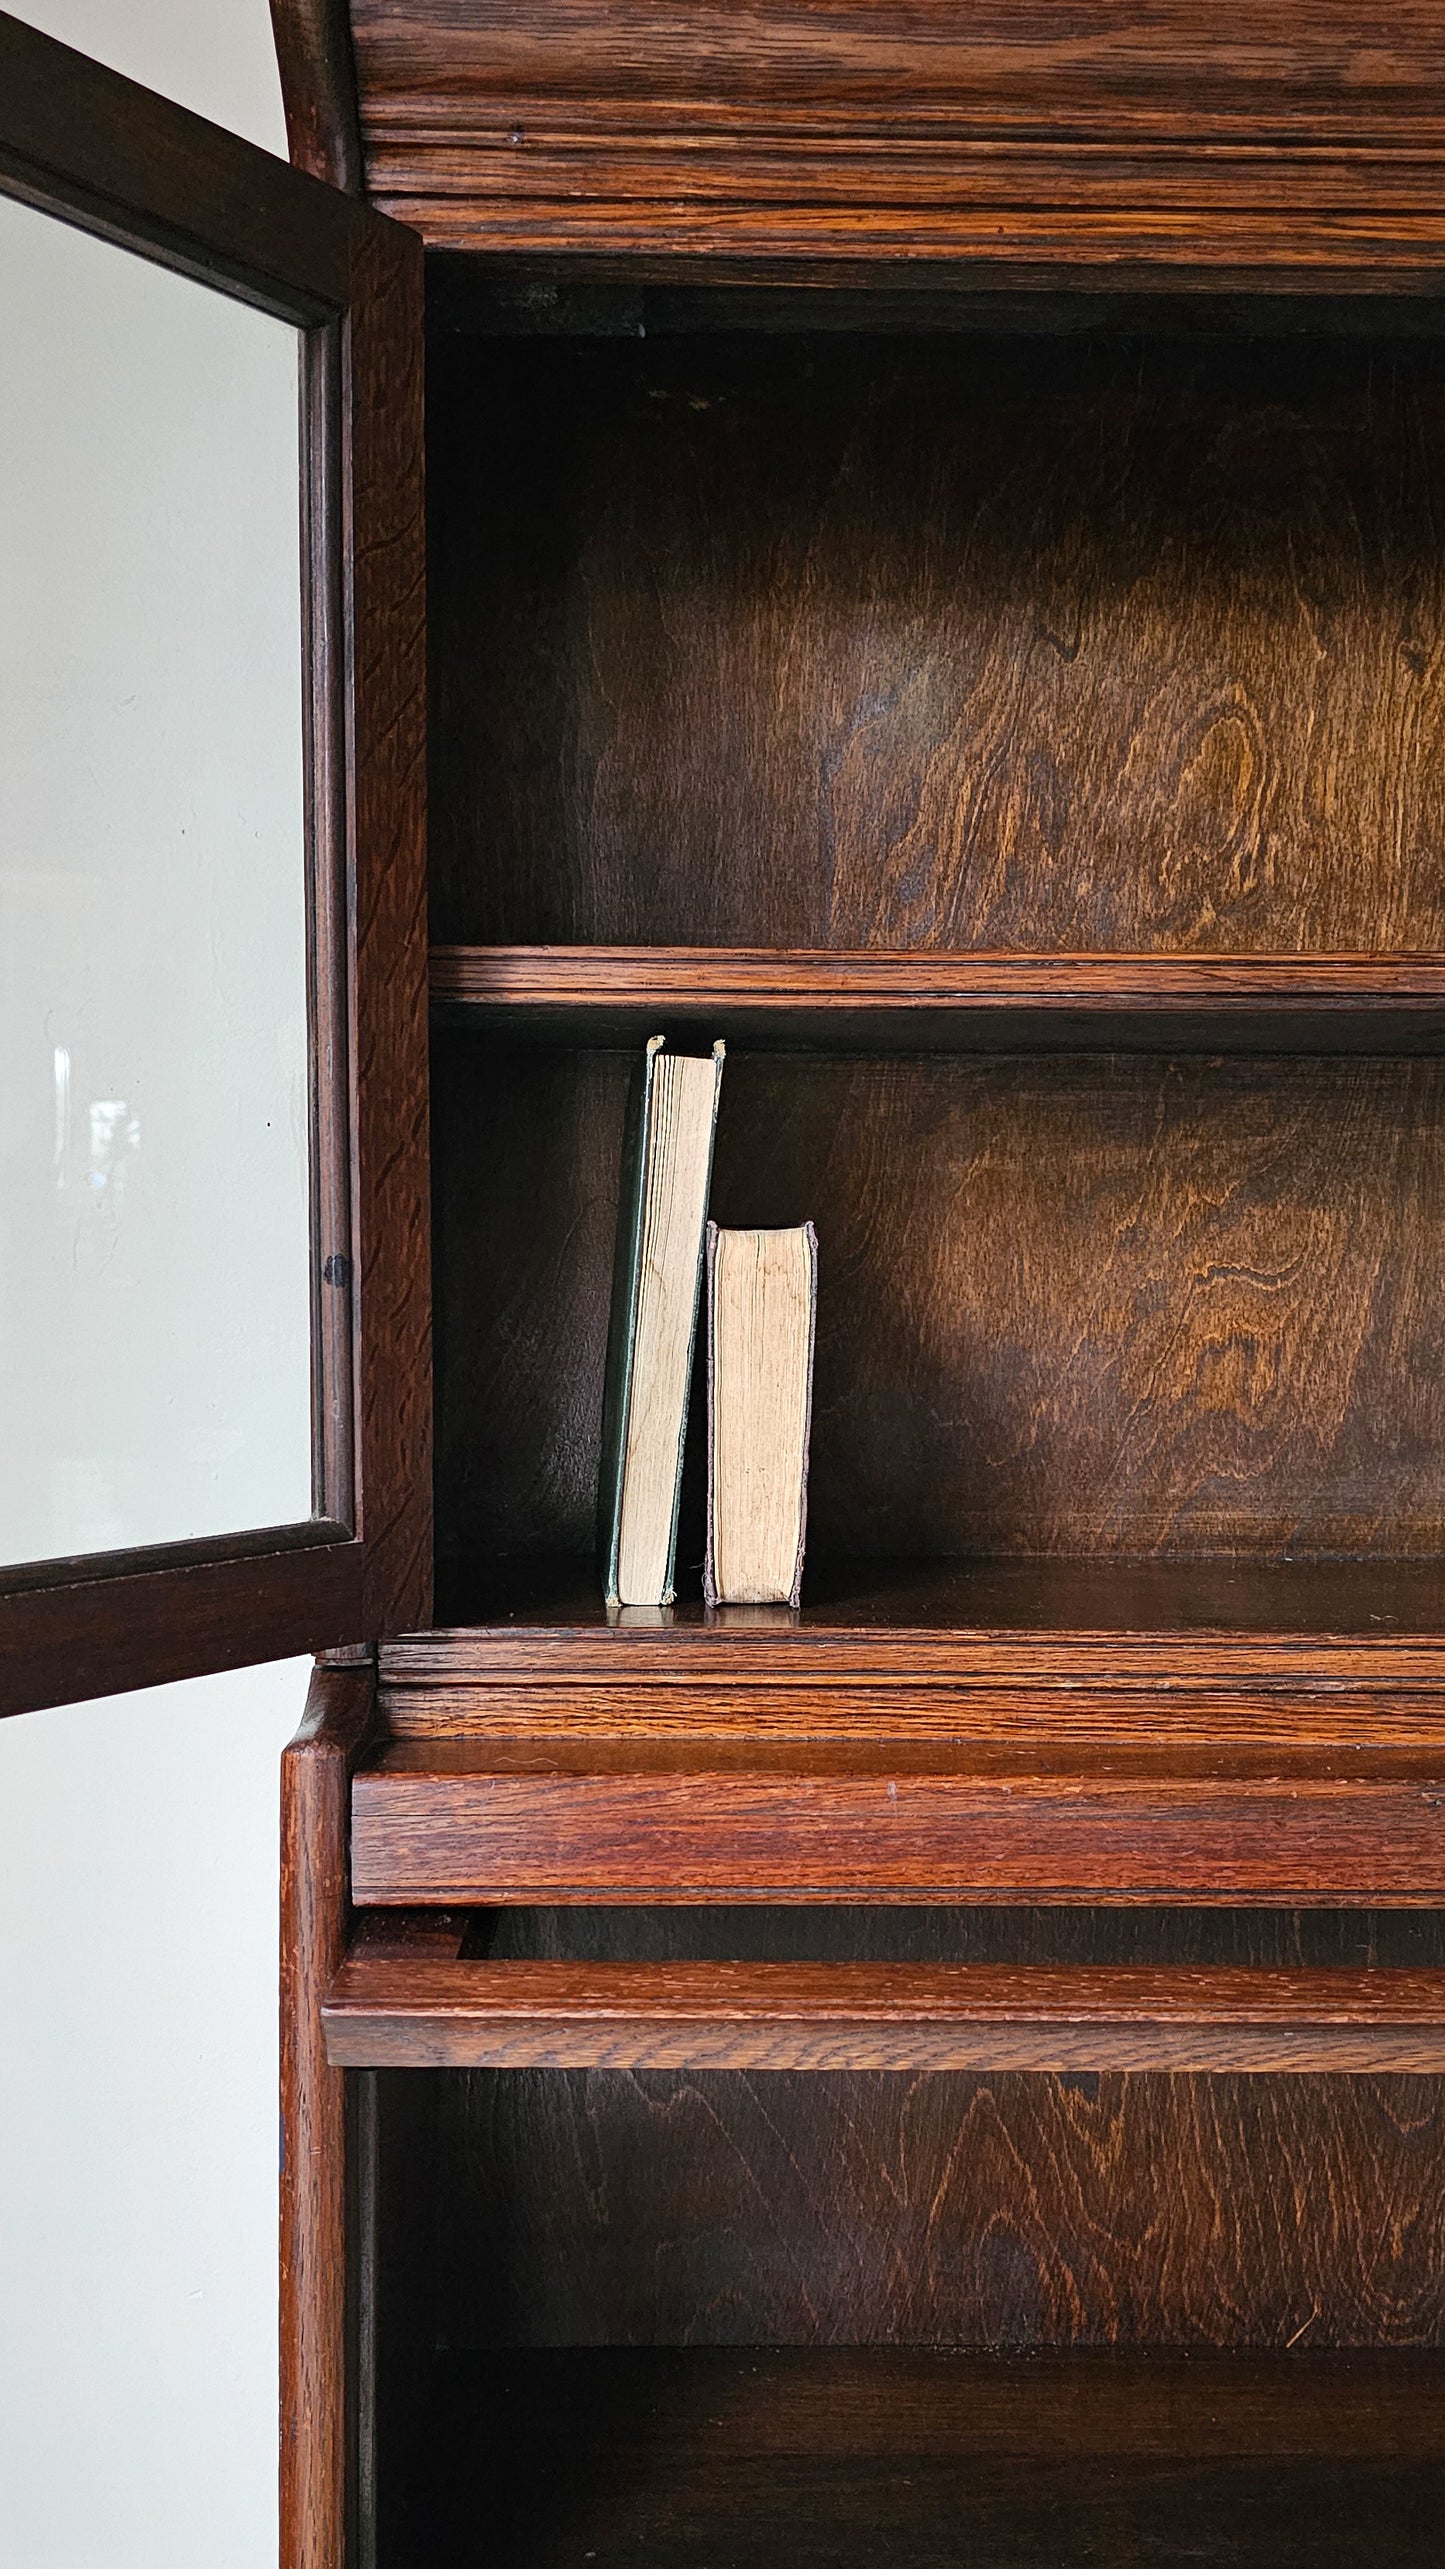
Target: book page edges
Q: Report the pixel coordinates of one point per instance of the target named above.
(622, 1324)
(709, 1567)
(669, 1592)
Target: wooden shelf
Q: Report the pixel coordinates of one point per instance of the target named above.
(934, 1731)
(549, 1607)
(926, 1002)
(1285, 1651)
(397, 2004)
(806, 2457)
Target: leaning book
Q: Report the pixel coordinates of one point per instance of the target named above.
(666, 1167)
(762, 1299)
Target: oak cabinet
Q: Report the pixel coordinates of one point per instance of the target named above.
(934, 571)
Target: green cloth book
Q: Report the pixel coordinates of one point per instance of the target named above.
(657, 1278)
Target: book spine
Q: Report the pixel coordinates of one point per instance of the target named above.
(626, 1273)
(709, 1558)
(795, 1594)
(719, 1053)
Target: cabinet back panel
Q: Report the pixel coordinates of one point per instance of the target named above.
(724, 2208)
(953, 642)
(1094, 1304)
(781, 2208)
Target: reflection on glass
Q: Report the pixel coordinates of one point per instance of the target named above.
(154, 1259)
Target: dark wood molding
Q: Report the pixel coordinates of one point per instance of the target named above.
(315, 1917)
(635, 1818)
(318, 89)
(133, 1625)
(928, 1000)
(1283, 148)
(404, 2012)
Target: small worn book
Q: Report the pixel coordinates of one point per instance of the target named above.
(762, 1298)
(666, 1165)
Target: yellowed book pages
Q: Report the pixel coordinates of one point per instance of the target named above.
(761, 1296)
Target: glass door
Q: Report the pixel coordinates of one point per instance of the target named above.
(214, 1395)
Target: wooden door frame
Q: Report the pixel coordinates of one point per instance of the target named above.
(81, 143)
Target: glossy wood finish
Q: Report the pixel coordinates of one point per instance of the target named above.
(1090, 1304)
(399, 2013)
(318, 89)
(315, 1914)
(914, 1002)
(1377, 1621)
(1013, 643)
(630, 1819)
(833, 2460)
(1070, 139)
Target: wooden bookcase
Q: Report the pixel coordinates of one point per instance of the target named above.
(955, 2073)
(935, 573)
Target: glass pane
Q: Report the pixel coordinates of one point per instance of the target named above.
(154, 1183)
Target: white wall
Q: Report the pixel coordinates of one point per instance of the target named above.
(138, 1837)
(216, 57)
(138, 2135)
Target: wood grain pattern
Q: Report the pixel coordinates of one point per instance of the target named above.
(914, 1002)
(1089, 1305)
(772, 2208)
(834, 2460)
(412, 2012)
(386, 642)
(1003, 1735)
(876, 1828)
(143, 1621)
(318, 89)
(1021, 643)
(340, 1709)
(1148, 140)
(1170, 1307)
